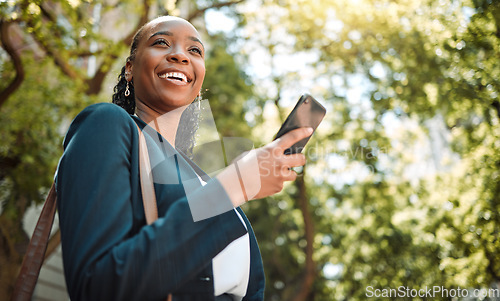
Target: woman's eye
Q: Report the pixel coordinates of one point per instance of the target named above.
(196, 50)
(161, 42)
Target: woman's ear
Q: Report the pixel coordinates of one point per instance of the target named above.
(128, 71)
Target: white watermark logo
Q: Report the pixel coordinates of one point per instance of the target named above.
(211, 154)
(431, 292)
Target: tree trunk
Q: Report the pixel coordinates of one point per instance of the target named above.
(309, 273)
(16, 60)
(8, 274)
(13, 244)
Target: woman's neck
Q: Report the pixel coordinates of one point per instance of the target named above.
(166, 124)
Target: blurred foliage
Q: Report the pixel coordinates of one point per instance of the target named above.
(32, 127)
(404, 180)
(227, 88)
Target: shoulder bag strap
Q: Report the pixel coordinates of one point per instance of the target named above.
(147, 186)
(33, 259)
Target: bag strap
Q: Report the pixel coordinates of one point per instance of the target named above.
(147, 186)
(35, 253)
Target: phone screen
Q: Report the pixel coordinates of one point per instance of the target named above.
(308, 112)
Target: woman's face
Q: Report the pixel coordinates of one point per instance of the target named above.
(169, 65)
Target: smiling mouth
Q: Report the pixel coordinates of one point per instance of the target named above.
(175, 76)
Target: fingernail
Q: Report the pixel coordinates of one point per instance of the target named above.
(309, 130)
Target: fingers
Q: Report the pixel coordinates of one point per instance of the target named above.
(293, 136)
(290, 161)
(293, 160)
(289, 174)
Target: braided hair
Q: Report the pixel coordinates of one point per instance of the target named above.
(119, 97)
(188, 124)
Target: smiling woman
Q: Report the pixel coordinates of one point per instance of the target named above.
(202, 246)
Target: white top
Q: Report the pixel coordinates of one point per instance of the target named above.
(231, 267)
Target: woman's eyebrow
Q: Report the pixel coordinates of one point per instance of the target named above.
(161, 33)
(195, 39)
(168, 33)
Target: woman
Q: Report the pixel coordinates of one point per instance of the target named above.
(109, 251)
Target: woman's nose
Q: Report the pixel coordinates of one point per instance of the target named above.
(177, 56)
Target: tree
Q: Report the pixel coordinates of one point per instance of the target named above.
(31, 135)
(398, 78)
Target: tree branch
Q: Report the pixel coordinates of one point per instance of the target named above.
(496, 105)
(16, 60)
(199, 12)
(85, 53)
(65, 67)
(48, 14)
(309, 273)
(7, 164)
(142, 20)
(95, 83)
(7, 238)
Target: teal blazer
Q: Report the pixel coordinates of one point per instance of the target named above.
(109, 252)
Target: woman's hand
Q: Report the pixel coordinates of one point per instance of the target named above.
(261, 172)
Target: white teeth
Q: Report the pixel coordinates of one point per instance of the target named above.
(176, 75)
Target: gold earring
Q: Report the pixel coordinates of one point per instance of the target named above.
(127, 91)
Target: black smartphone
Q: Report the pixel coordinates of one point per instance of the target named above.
(308, 112)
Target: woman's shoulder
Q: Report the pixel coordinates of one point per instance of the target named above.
(104, 113)
(104, 110)
(101, 118)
